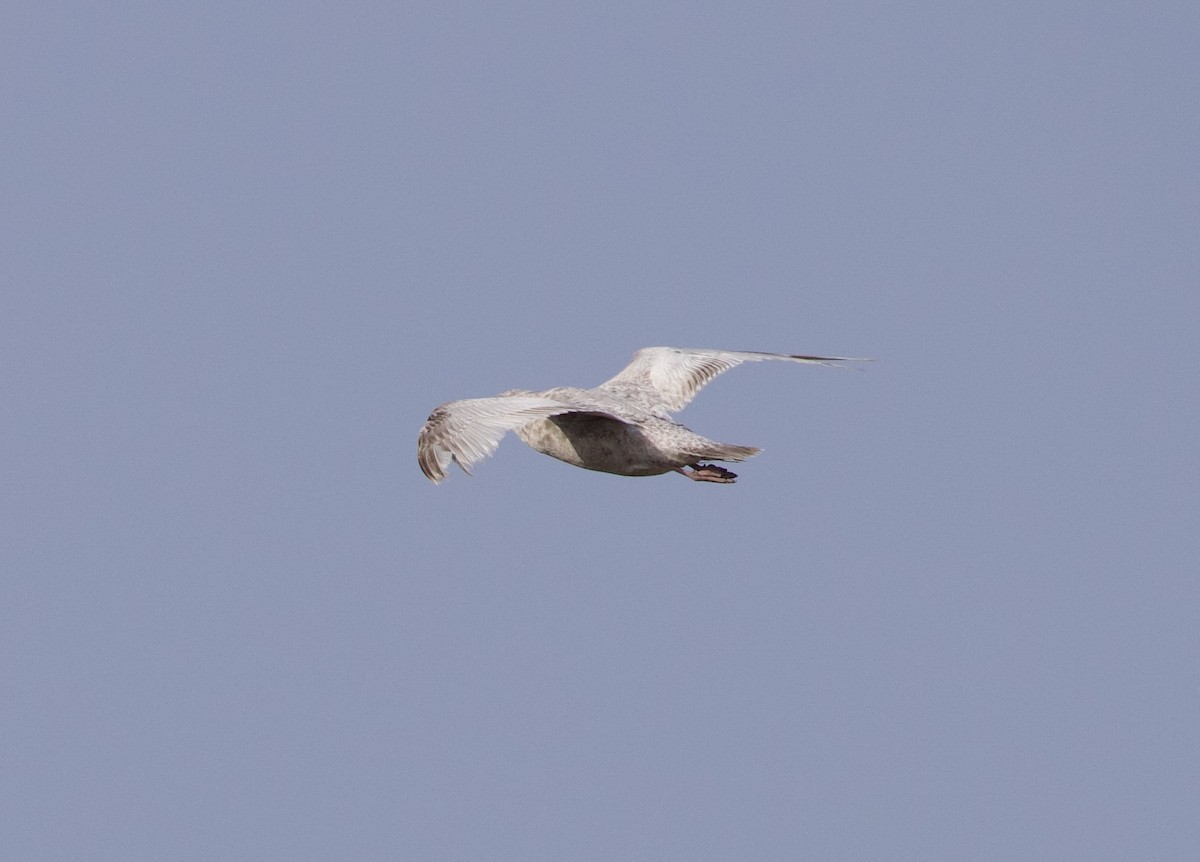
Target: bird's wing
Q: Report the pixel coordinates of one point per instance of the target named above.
(669, 377)
(468, 431)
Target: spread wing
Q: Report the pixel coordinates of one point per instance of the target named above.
(667, 378)
(468, 431)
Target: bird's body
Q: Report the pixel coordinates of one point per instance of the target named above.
(622, 426)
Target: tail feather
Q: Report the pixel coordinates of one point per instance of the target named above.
(729, 452)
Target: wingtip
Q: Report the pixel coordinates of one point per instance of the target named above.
(428, 462)
(832, 361)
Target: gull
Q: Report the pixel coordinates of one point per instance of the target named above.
(622, 426)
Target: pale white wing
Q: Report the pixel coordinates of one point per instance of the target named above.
(669, 377)
(468, 431)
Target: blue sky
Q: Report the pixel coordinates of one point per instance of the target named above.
(950, 611)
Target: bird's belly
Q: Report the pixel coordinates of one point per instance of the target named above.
(596, 443)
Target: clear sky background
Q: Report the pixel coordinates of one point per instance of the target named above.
(951, 612)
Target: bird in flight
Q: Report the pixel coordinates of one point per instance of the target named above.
(622, 426)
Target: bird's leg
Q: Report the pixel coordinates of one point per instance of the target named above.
(708, 473)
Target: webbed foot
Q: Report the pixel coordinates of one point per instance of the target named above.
(710, 473)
